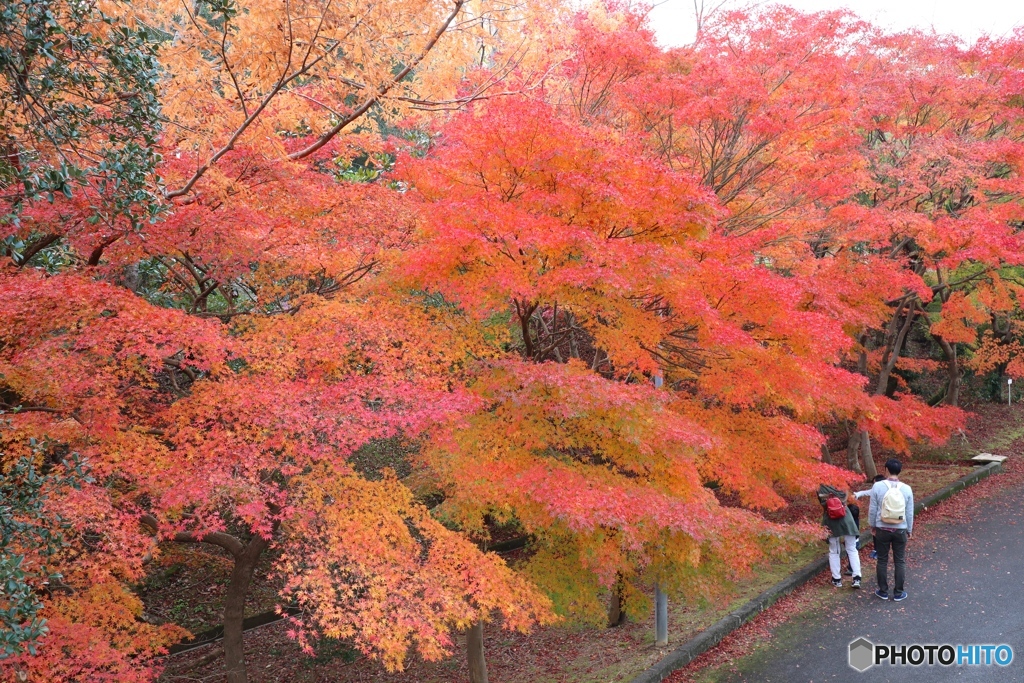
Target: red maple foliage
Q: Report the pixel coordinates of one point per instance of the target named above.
(759, 221)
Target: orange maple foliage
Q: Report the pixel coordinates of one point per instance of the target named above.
(208, 412)
(252, 417)
(758, 220)
(608, 267)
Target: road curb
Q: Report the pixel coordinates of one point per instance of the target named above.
(711, 636)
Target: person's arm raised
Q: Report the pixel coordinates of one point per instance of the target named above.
(910, 512)
(873, 510)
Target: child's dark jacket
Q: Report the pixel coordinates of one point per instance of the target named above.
(836, 527)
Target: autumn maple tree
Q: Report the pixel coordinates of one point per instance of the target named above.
(763, 284)
(214, 368)
(614, 293)
(773, 111)
(605, 265)
(942, 147)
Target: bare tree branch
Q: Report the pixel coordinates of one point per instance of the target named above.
(380, 92)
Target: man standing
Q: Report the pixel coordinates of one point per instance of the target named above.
(891, 516)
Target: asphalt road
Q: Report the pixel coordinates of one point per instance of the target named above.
(965, 587)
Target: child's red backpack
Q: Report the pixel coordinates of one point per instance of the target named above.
(835, 508)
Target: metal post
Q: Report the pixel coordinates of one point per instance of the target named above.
(660, 599)
(1009, 391)
(660, 617)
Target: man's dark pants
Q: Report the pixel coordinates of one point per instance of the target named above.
(897, 540)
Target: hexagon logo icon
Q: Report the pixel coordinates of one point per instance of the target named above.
(862, 654)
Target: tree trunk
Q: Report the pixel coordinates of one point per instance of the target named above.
(894, 339)
(615, 614)
(826, 456)
(525, 312)
(475, 653)
(952, 372)
(234, 609)
(852, 451)
(870, 471)
(246, 557)
(862, 357)
(614, 609)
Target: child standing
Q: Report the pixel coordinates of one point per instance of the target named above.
(838, 519)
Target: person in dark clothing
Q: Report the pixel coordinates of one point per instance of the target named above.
(856, 515)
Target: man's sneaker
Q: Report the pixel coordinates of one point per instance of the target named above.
(847, 572)
(881, 594)
(873, 555)
(838, 583)
(856, 582)
(902, 595)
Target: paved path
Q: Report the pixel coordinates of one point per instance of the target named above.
(966, 585)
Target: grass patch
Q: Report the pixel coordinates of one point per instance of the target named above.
(991, 428)
(372, 459)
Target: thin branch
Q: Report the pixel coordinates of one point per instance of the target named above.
(32, 409)
(284, 80)
(218, 538)
(381, 92)
(37, 247)
(203, 294)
